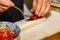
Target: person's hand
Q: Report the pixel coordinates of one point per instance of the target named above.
(5, 4)
(41, 7)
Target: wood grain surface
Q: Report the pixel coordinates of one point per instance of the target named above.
(53, 37)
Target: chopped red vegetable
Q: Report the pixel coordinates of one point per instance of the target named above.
(6, 35)
(34, 17)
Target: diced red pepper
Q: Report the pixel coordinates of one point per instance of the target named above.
(33, 18)
(6, 35)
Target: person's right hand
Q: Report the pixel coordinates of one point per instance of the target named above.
(41, 7)
(5, 4)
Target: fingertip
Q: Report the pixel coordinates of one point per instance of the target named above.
(36, 13)
(39, 15)
(30, 10)
(12, 4)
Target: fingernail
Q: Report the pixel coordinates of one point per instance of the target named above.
(36, 13)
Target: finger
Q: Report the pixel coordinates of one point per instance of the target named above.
(6, 3)
(47, 9)
(3, 7)
(34, 6)
(38, 6)
(43, 8)
(35, 3)
(12, 4)
(1, 10)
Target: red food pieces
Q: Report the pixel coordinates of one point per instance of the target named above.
(6, 35)
(34, 17)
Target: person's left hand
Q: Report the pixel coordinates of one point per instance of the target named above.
(5, 5)
(41, 7)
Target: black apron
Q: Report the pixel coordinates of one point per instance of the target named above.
(12, 14)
